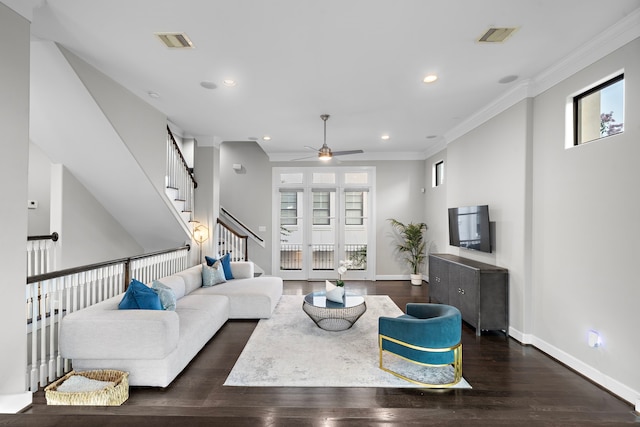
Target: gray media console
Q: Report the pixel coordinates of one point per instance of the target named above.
(480, 291)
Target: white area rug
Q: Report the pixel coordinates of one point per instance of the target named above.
(289, 350)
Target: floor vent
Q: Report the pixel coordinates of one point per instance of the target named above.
(496, 34)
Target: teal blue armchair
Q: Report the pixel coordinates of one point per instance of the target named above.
(428, 335)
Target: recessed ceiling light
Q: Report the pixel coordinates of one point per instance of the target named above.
(508, 79)
(430, 78)
(208, 85)
(229, 82)
(385, 137)
(266, 138)
(154, 95)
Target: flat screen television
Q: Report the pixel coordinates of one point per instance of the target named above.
(469, 228)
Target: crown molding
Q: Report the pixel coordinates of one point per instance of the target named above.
(613, 38)
(616, 36)
(516, 94)
(439, 145)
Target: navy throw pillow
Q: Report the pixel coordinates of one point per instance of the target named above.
(140, 297)
(226, 265)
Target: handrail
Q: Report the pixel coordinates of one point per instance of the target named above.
(80, 269)
(254, 235)
(231, 230)
(184, 162)
(53, 236)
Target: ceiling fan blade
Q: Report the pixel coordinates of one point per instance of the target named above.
(311, 148)
(305, 158)
(343, 153)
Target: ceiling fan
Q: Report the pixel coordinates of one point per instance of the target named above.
(324, 152)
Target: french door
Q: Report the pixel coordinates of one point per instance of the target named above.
(323, 219)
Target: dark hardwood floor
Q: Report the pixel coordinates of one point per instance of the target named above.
(512, 385)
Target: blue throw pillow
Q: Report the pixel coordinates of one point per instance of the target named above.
(166, 294)
(226, 265)
(212, 275)
(140, 296)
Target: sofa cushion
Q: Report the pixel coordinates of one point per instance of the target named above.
(212, 275)
(242, 269)
(175, 282)
(253, 298)
(140, 296)
(166, 294)
(226, 264)
(192, 278)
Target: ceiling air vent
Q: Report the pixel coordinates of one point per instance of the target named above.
(497, 34)
(175, 40)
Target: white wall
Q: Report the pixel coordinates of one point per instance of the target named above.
(14, 161)
(489, 166)
(437, 234)
(247, 193)
(39, 189)
(140, 126)
(207, 199)
(88, 232)
(398, 195)
(586, 233)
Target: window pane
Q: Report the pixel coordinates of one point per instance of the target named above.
(288, 208)
(439, 173)
(599, 112)
(321, 208)
(353, 208)
(356, 177)
(291, 178)
(324, 178)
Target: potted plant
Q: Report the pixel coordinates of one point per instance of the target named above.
(412, 246)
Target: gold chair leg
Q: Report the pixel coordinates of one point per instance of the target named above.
(457, 362)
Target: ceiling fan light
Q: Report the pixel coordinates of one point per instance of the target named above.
(324, 156)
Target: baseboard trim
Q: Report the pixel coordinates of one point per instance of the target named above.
(615, 387)
(393, 277)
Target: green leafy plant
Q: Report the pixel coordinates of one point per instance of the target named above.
(413, 245)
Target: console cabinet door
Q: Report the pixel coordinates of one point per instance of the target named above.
(438, 278)
(463, 292)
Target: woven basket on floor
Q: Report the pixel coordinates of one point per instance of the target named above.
(109, 396)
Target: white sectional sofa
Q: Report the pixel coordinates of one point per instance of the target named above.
(154, 346)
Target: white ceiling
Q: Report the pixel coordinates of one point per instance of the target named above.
(362, 61)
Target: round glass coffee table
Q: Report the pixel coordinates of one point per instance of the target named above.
(333, 316)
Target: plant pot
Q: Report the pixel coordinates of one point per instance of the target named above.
(416, 279)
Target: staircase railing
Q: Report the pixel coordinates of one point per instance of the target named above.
(41, 253)
(51, 296)
(179, 176)
(231, 242)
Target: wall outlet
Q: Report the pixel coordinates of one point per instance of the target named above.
(32, 204)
